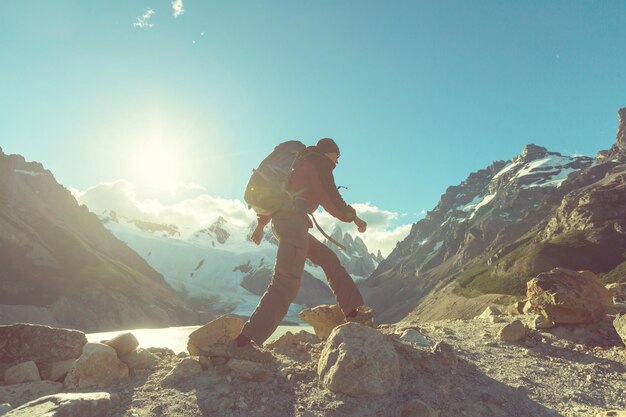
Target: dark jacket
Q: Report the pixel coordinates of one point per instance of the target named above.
(313, 172)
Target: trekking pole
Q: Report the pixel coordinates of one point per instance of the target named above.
(330, 239)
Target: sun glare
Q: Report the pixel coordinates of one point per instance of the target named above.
(157, 166)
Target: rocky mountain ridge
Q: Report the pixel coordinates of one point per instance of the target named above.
(505, 224)
(60, 266)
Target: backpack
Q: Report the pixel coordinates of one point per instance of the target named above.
(266, 191)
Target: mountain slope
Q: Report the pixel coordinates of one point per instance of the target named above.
(504, 225)
(60, 266)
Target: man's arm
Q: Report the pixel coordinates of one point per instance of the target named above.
(333, 203)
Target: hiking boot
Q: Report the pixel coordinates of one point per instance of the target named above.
(365, 318)
(249, 352)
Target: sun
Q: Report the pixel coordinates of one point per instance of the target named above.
(157, 166)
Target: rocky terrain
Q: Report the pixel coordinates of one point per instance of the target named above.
(492, 365)
(61, 267)
(504, 225)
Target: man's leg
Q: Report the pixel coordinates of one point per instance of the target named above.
(292, 229)
(348, 295)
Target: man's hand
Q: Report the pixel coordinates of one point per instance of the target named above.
(360, 224)
(257, 235)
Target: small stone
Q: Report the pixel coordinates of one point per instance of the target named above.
(123, 343)
(413, 336)
(140, 359)
(5, 408)
(186, 368)
(23, 372)
(513, 332)
(446, 354)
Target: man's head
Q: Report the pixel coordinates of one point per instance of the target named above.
(328, 147)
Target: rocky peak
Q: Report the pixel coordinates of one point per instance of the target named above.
(618, 150)
(531, 152)
(621, 130)
(217, 228)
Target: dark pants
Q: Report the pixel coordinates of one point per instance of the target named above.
(295, 245)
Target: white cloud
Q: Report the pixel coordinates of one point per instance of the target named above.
(381, 232)
(177, 5)
(190, 214)
(142, 22)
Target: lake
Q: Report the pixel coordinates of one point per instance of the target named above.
(175, 338)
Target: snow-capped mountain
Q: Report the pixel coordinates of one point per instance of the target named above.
(504, 225)
(219, 264)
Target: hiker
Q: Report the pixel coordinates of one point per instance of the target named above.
(311, 181)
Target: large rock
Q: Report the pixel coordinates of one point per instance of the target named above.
(123, 343)
(568, 297)
(98, 366)
(23, 372)
(620, 326)
(359, 361)
(324, 318)
(19, 394)
(212, 338)
(91, 404)
(41, 344)
(186, 368)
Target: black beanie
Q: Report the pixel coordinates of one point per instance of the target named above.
(327, 145)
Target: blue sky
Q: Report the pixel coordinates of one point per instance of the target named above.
(417, 93)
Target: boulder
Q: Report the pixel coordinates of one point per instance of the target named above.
(490, 311)
(91, 404)
(446, 354)
(248, 370)
(19, 394)
(123, 343)
(140, 359)
(56, 371)
(212, 338)
(416, 408)
(98, 366)
(569, 297)
(620, 326)
(513, 332)
(324, 318)
(542, 323)
(186, 368)
(618, 291)
(40, 344)
(23, 372)
(413, 336)
(359, 361)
